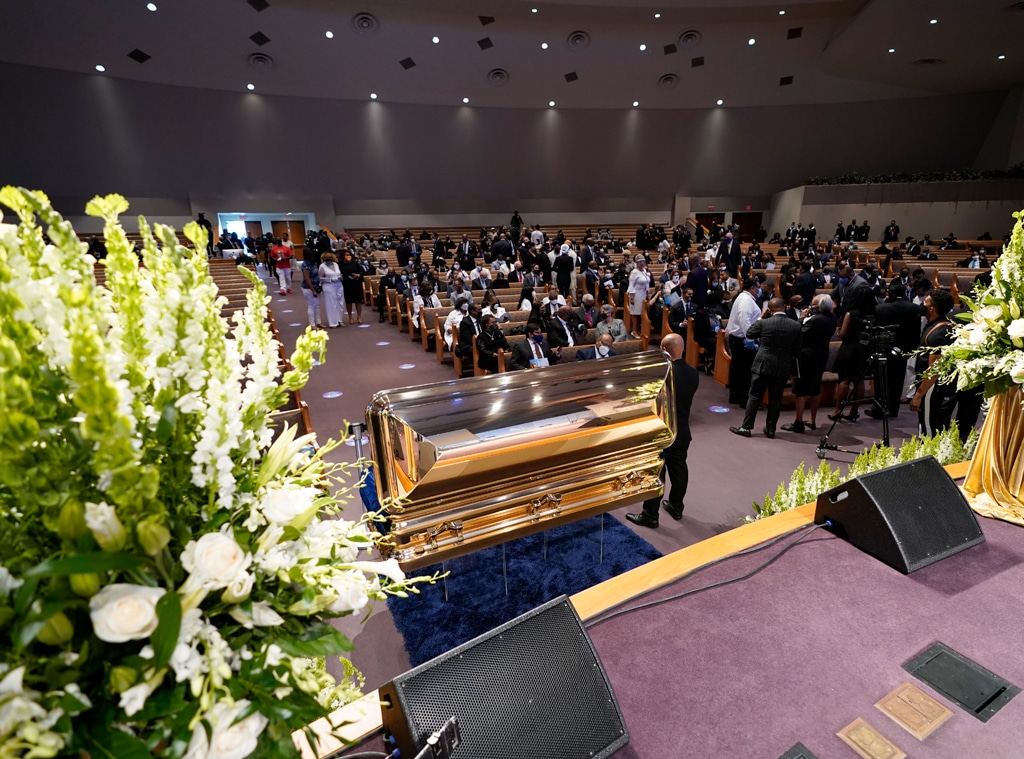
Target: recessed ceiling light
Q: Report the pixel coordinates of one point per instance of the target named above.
(250, 86)
(373, 96)
(543, 46)
(151, 6)
(636, 103)
(329, 34)
(435, 40)
(751, 41)
(892, 50)
(934, 21)
(719, 102)
(657, 15)
(782, 13)
(642, 48)
(1001, 58)
(533, 10)
(551, 103)
(465, 100)
(100, 67)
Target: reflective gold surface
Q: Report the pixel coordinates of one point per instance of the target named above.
(483, 460)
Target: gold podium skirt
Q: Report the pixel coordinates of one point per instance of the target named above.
(994, 484)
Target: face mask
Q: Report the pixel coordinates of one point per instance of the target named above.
(760, 292)
(602, 350)
(465, 309)
(675, 279)
(844, 280)
(456, 267)
(538, 338)
(405, 278)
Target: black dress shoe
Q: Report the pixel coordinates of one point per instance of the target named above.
(675, 513)
(794, 427)
(643, 520)
(741, 431)
(769, 433)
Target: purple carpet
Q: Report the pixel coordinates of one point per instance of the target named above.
(800, 650)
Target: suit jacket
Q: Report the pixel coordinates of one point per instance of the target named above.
(780, 339)
(590, 353)
(581, 316)
(522, 354)
(487, 345)
(564, 267)
(504, 249)
(466, 332)
(686, 378)
(558, 336)
(905, 316)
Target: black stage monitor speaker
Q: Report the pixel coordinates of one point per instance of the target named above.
(909, 515)
(533, 687)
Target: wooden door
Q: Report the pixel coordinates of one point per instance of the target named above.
(296, 230)
(749, 221)
(254, 228)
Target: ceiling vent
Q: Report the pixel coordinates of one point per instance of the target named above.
(697, 62)
(925, 62)
(258, 5)
(485, 43)
(670, 49)
(572, 76)
(138, 56)
(261, 61)
(498, 77)
(668, 82)
(365, 24)
(407, 63)
(795, 33)
(485, 20)
(578, 40)
(785, 81)
(259, 38)
(690, 39)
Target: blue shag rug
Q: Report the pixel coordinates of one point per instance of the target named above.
(476, 588)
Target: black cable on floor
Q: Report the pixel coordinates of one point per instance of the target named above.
(807, 530)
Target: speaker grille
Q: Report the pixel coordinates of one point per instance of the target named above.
(532, 687)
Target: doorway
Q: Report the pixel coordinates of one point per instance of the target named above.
(749, 222)
(296, 230)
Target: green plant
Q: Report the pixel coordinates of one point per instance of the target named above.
(805, 486)
(905, 177)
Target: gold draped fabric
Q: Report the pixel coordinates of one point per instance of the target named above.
(994, 484)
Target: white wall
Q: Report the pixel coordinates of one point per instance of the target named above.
(786, 207)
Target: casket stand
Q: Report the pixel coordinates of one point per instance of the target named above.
(466, 464)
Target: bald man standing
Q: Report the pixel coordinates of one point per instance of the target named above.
(686, 380)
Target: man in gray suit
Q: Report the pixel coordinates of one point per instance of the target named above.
(779, 338)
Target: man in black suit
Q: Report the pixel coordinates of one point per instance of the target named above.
(892, 232)
(563, 331)
(682, 310)
(469, 327)
(536, 348)
(466, 253)
(602, 349)
(564, 268)
(685, 379)
(503, 249)
(730, 254)
(900, 312)
(779, 338)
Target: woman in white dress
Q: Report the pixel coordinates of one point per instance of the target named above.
(639, 284)
(333, 296)
(425, 298)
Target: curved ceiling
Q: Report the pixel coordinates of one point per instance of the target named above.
(491, 53)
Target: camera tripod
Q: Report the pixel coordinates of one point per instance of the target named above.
(878, 364)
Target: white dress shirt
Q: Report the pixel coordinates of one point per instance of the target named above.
(745, 312)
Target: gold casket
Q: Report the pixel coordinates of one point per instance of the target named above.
(470, 463)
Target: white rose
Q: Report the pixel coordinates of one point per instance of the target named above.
(123, 612)
(1016, 328)
(133, 699)
(264, 616)
(227, 741)
(239, 589)
(977, 335)
(992, 312)
(102, 521)
(215, 560)
(282, 505)
(352, 589)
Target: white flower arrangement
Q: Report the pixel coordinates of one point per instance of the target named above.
(989, 348)
(167, 568)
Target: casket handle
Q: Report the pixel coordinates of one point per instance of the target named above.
(535, 508)
(431, 535)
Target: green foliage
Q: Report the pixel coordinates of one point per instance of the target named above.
(805, 486)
